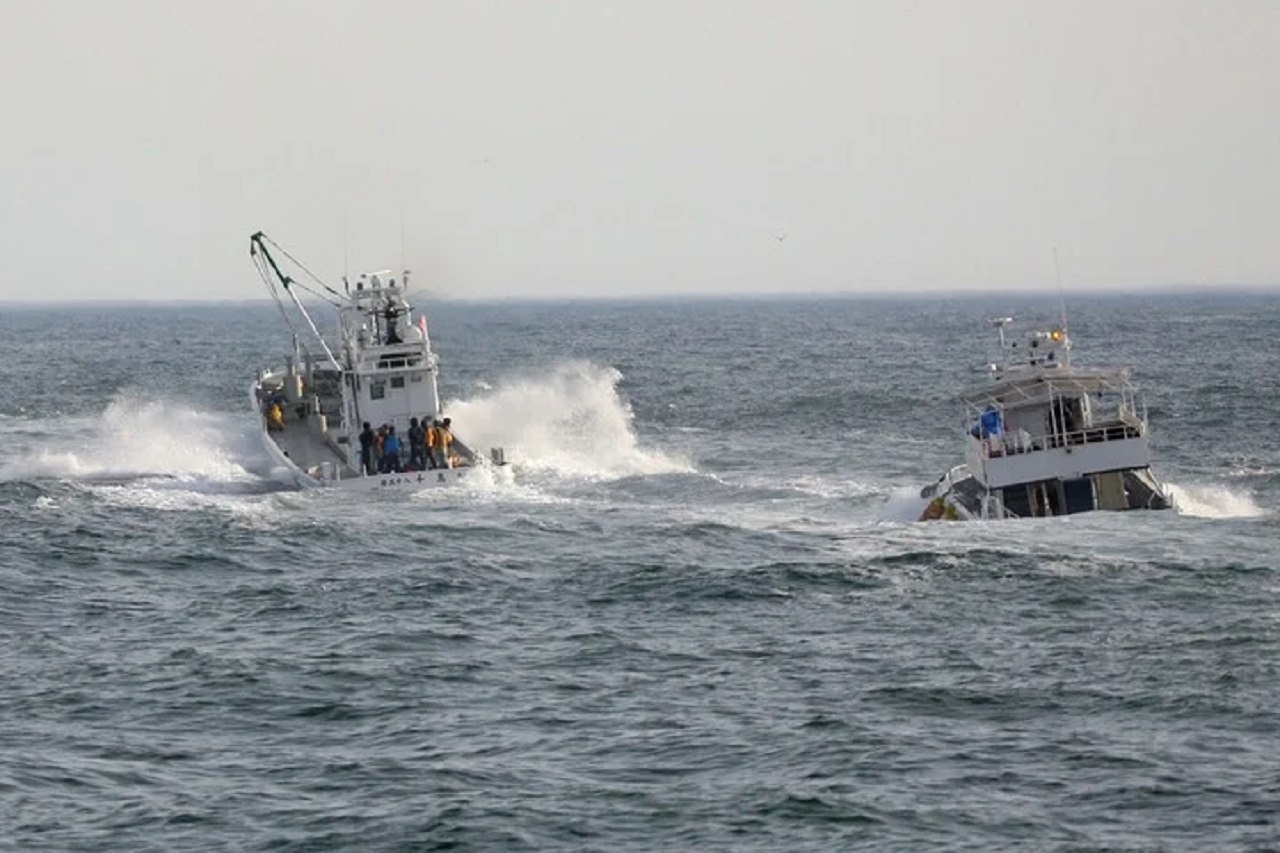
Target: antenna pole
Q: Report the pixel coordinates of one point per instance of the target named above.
(1062, 306)
(1062, 299)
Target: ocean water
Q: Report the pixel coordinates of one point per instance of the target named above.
(694, 613)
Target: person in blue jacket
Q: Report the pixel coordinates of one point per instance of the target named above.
(391, 452)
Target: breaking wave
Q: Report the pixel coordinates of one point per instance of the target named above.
(1212, 501)
(904, 505)
(134, 438)
(570, 420)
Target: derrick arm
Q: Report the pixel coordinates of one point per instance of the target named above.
(267, 267)
(258, 246)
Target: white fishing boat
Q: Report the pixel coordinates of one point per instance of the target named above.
(1046, 438)
(321, 414)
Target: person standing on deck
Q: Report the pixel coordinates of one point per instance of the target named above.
(379, 456)
(433, 441)
(391, 452)
(275, 418)
(417, 446)
(366, 450)
(444, 438)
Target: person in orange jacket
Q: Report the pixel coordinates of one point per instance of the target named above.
(444, 438)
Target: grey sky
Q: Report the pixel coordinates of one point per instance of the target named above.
(595, 148)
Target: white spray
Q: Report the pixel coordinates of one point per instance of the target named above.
(569, 419)
(132, 437)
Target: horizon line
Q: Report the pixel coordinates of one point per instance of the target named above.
(705, 296)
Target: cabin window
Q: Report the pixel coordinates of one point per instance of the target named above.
(417, 377)
(377, 389)
(397, 381)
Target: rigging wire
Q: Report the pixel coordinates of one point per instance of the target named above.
(301, 266)
(273, 289)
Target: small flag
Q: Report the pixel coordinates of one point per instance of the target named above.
(422, 324)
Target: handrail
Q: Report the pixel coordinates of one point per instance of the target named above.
(1011, 444)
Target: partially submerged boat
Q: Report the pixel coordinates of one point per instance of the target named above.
(1046, 438)
(380, 375)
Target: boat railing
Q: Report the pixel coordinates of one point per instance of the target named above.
(949, 479)
(397, 362)
(396, 357)
(1014, 443)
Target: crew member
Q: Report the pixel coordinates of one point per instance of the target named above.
(391, 452)
(275, 417)
(366, 449)
(417, 446)
(444, 438)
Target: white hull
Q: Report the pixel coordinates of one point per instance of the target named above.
(295, 442)
(409, 481)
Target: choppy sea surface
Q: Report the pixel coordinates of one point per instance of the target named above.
(694, 613)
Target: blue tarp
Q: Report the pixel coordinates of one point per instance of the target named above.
(988, 425)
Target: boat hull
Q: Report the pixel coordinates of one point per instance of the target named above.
(324, 466)
(959, 496)
(408, 481)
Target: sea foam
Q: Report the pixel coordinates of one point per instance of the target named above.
(1214, 501)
